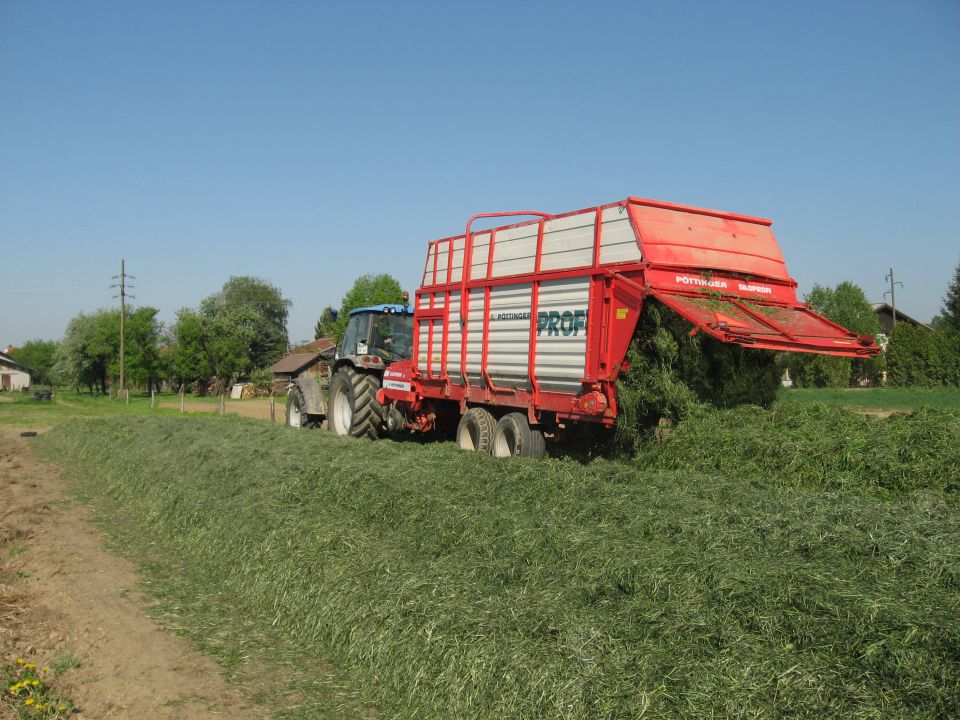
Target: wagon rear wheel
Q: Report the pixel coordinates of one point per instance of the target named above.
(513, 436)
(475, 431)
(296, 415)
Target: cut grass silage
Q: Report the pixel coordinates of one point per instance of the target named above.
(816, 445)
(452, 585)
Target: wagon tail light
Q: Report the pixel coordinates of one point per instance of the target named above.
(866, 340)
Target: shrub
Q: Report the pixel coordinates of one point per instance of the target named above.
(919, 357)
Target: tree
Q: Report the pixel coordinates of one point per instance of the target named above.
(262, 308)
(39, 356)
(846, 305)
(89, 355)
(88, 345)
(326, 325)
(367, 290)
(215, 340)
(950, 317)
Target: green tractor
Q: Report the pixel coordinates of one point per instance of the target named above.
(346, 400)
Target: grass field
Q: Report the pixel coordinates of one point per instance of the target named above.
(875, 398)
(19, 408)
(722, 581)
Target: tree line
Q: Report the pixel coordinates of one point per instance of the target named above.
(913, 355)
(234, 334)
(242, 330)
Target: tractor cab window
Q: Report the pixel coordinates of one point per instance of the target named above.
(391, 336)
(355, 332)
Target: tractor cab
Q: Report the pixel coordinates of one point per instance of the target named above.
(377, 336)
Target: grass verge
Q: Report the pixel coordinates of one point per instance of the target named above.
(451, 585)
(875, 398)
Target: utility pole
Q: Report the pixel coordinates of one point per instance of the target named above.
(123, 313)
(892, 292)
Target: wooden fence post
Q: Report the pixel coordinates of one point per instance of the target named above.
(273, 408)
(181, 396)
(223, 403)
(153, 398)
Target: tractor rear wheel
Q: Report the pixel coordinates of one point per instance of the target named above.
(513, 436)
(354, 410)
(475, 431)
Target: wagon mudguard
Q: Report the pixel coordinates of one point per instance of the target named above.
(313, 396)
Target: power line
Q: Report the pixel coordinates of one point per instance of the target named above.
(123, 311)
(892, 292)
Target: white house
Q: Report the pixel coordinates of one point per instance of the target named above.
(13, 375)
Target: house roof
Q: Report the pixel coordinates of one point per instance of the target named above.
(9, 362)
(886, 309)
(294, 362)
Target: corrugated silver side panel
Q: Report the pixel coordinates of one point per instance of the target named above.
(455, 339)
(514, 251)
(562, 346)
(481, 249)
(428, 270)
(457, 273)
(618, 242)
(424, 347)
(474, 334)
(568, 242)
(509, 336)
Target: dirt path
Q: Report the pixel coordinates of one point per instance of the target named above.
(258, 408)
(62, 596)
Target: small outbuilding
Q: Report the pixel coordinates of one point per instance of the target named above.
(13, 375)
(311, 360)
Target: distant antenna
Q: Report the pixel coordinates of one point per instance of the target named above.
(123, 311)
(892, 292)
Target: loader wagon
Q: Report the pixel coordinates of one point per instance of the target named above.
(523, 328)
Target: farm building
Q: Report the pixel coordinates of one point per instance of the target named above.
(884, 313)
(13, 375)
(311, 360)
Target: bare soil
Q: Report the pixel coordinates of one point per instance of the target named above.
(63, 596)
(258, 408)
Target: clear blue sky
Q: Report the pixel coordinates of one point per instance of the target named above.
(309, 142)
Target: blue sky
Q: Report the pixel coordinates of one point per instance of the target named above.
(308, 143)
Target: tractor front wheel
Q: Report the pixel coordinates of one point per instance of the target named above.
(296, 416)
(354, 410)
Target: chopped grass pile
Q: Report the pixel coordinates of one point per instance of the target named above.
(817, 445)
(452, 585)
(673, 373)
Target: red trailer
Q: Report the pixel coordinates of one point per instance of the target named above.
(524, 326)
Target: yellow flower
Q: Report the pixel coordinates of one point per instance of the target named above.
(20, 661)
(61, 708)
(46, 668)
(34, 682)
(40, 706)
(28, 701)
(30, 666)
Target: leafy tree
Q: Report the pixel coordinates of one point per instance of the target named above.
(215, 340)
(846, 305)
(262, 308)
(142, 339)
(39, 356)
(918, 357)
(87, 348)
(326, 325)
(367, 290)
(89, 355)
(950, 317)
